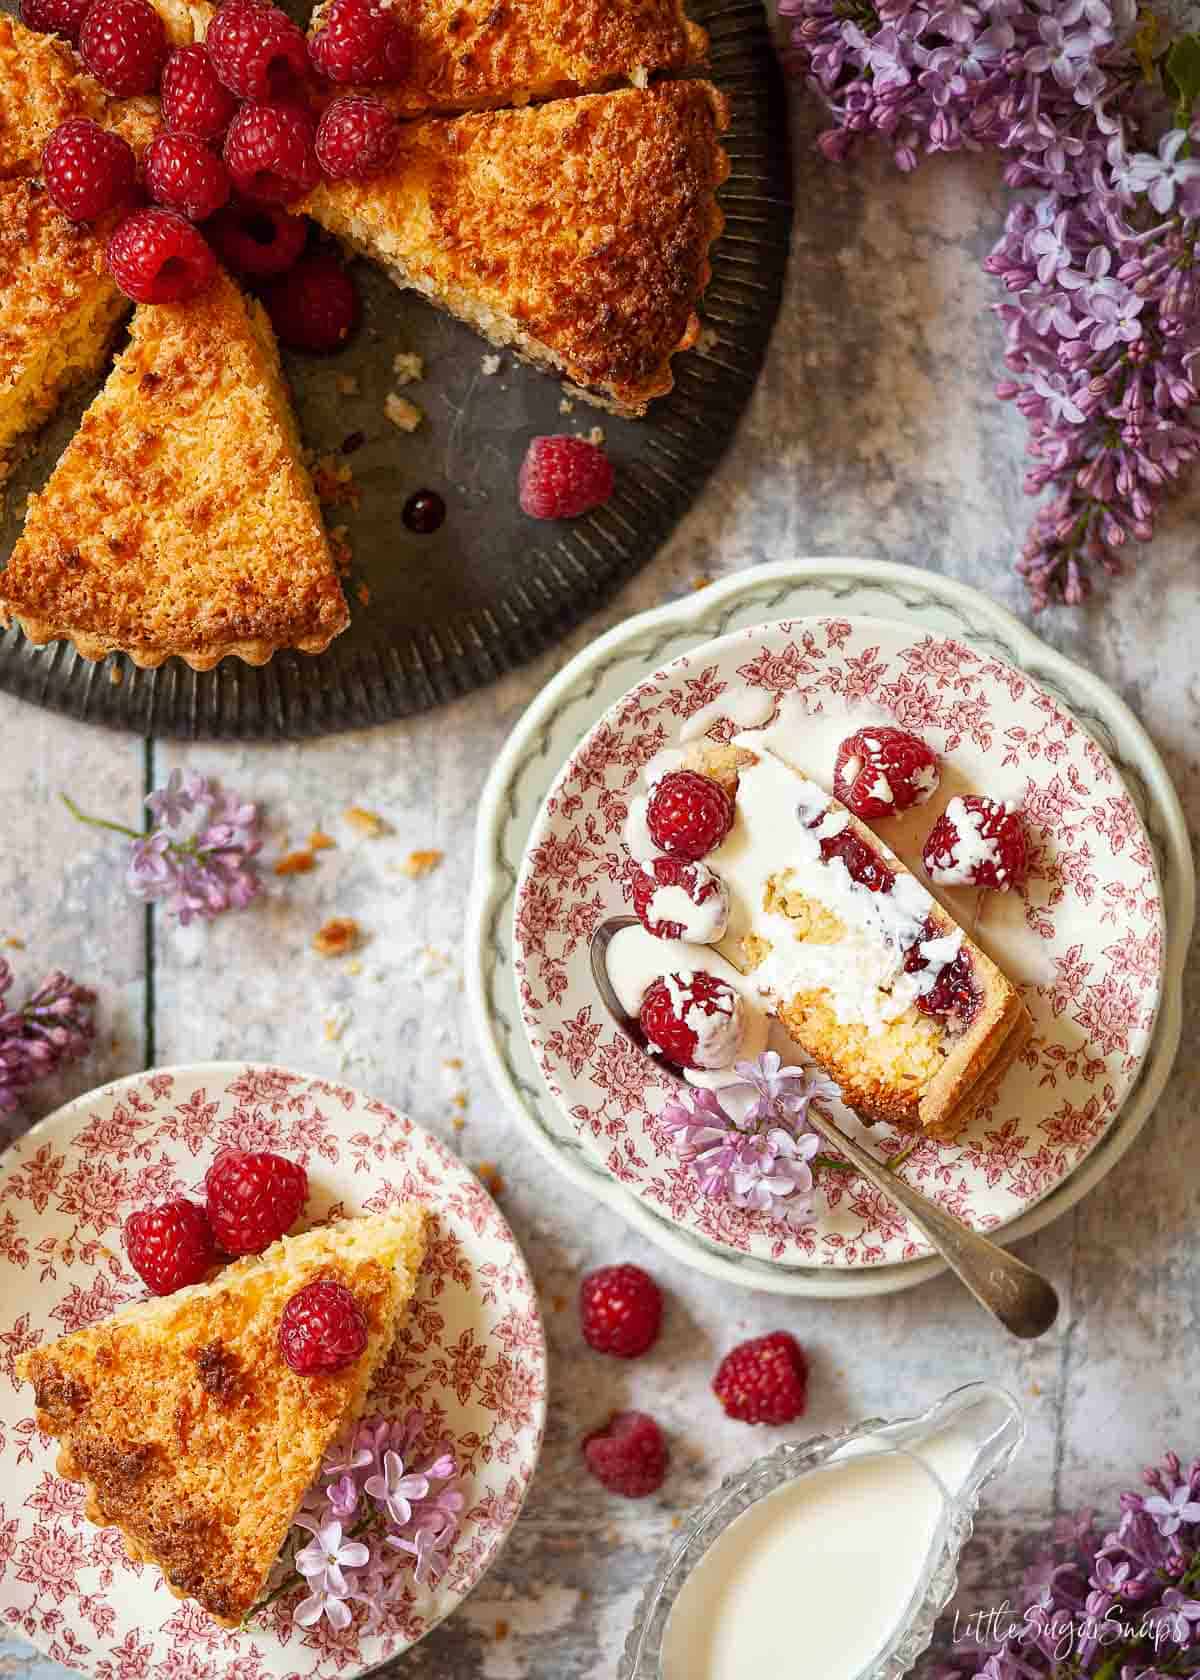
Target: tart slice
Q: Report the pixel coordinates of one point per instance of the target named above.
(189, 1430)
(577, 233)
(181, 519)
(868, 973)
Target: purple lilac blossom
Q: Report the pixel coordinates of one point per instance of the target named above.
(52, 1027)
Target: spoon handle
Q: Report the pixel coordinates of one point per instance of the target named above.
(1024, 1301)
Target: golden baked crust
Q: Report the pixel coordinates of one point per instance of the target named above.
(576, 232)
(181, 520)
(187, 1427)
(472, 54)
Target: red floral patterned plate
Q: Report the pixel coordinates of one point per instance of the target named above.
(474, 1355)
(1084, 940)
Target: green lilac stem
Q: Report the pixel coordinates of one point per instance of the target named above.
(98, 822)
(834, 1162)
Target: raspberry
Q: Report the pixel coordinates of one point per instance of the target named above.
(269, 152)
(185, 175)
(562, 477)
(170, 1246)
(194, 100)
(123, 44)
(881, 771)
(863, 862)
(357, 137)
(620, 1310)
(256, 241)
(978, 842)
(954, 994)
(629, 1455)
(691, 891)
(694, 1020)
(253, 1198)
(87, 169)
(256, 50)
(688, 815)
(55, 17)
(315, 307)
(322, 1329)
(359, 42)
(764, 1380)
(157, 257)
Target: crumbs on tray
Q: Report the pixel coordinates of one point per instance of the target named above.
(407, 367)
(420, 863)
(366, 822)
(403, 413)
(339, 935)
(296, 863)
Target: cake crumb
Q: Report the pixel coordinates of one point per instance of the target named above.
(596, 436)
(489, 1175)
(13, 943)
(708, 340)
(295, 863)
(364, 595)
(407, 367)
(347, 385)
(490, 365)
(558, 1302)
(701, 582)
(116, 675)
(565, 405)
(403, 413)
(334, 1029)
(367, 822)
(501, 1630)
(334, 483)
(458, 1122)
(419, 864)
(339, 935)
(452, 1062)
(318, 841)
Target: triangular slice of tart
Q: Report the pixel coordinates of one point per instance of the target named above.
(187, 1427)
(576, 233)
(869, 974)
(181, 518)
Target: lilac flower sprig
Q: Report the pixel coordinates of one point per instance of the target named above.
(52, 1027)
(385, 1504)
(199, 855)
(1122, 1605)
(760, 1159)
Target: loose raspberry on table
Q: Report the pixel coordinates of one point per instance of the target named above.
(562, 477)
(360, 42)
(695, 1020)
(687, 814)
(55, 17)
(269, 152)
(764, 1380)
(194, 99)
(257, 241)
(357, 137)
(691, 890)
(87, 169)
(254, 1197)
(978, 842)
(155, 256)
(315, 306)
(620, 1310)
(629, 1455)
(322, 1329)
(256, 50)
(185, 174)
(123, 43)
(880, 771)
(170, 1246)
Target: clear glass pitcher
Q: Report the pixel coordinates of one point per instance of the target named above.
(771, 1555)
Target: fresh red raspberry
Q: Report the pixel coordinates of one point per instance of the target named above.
(977, 842)
(322, 1329)
(155, 256)
(357, 137)
(256, 241)
(123, 44)
(55, 17)
(764, 1380)
(695, 1020)
(360, 42)
(620, 1310)
(629, 1455)
(194, 100)
(688, 814)
(878, 772)
(170, 1246)
(256, 50)
(562, 477)
(657, 883)
(185, 174)
(269, 153)
(315, 306)
(254, 1197)
(87, 169)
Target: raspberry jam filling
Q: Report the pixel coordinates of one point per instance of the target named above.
(862, 864)
(954, 993)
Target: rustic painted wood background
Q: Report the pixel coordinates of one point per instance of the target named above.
(873, 432)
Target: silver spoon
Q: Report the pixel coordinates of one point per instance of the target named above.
(1024, 1302)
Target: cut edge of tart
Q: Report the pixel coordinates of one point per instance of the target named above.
(187, 1427)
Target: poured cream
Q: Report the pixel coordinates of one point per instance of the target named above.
(972, 848)
(748, 708)
(699, 924)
